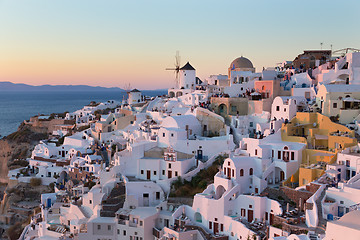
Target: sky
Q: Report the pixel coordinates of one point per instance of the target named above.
(112, 43)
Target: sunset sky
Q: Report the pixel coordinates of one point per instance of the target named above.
(111, 43)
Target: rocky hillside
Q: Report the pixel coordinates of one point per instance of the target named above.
(18, 145)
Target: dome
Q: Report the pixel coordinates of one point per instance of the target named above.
(241, 62)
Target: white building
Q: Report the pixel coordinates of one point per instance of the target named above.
(285, 108)
(347, 227)
(134, 96)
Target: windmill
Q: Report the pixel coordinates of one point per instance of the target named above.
(176, 69)
(127, 88)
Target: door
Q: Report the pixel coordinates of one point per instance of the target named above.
(271, 219)
(199, 154)
(250, 215)
(229, 172)
(146, 199)
(205, 130)
(216, 227)
(49, 202)
(282, 176)
(169, 174)
(148, 174)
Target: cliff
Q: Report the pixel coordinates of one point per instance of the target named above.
(18, 145)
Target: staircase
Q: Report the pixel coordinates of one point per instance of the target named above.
(320, 229)
(114, 201)
(313, 236)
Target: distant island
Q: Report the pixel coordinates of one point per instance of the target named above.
(9, 86)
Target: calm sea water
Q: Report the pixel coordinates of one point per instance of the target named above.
(15, 107)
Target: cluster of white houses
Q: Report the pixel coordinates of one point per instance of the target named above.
(285, 135)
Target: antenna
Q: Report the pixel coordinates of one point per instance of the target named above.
(176, 69)
(321, 44)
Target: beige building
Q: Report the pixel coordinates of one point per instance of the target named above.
(212, 125)
(113, 122)
(339, 100)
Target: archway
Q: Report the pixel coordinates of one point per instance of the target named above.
(198, 217)
(222, 109)
(219, 192)
(171, 94)
(179, 94)
(344, 77)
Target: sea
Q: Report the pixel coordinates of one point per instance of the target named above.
(17, 106)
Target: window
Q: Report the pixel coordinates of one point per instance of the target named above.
(335, 105)
(99, 227)
(277, 108)
(90, 202)
(348, 163)
(250, 206)
(221, 227)
(251, 124)
(118, 231)
(256, 152)
(169, 165)
(141, 223)
(243, 212)
(163, 134)
(341, 202)
(210, 225)
(176, 173)
(163, 172)
(272, 153)
(233, 173)
(157, 195)
(284, 109)
(172, 135)
(142, 171)
(279, 154)
(251, 171)
(228, 163)
(124, 232)
(241, 172)
(109, 227)
(292, 155)
(154, 172)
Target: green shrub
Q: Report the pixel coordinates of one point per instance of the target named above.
(34, 182)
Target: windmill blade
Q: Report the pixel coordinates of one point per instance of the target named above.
(177, 59)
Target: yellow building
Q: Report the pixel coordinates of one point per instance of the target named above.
(323, 138)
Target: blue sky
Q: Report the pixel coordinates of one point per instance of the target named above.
(110, 43)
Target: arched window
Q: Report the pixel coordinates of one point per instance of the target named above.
(251, 171)
(241, 172)
(263, 88)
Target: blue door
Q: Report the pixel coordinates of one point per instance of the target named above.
(330, 217)
(48, 204)
(340, 211)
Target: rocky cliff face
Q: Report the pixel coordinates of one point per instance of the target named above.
(18, 145)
